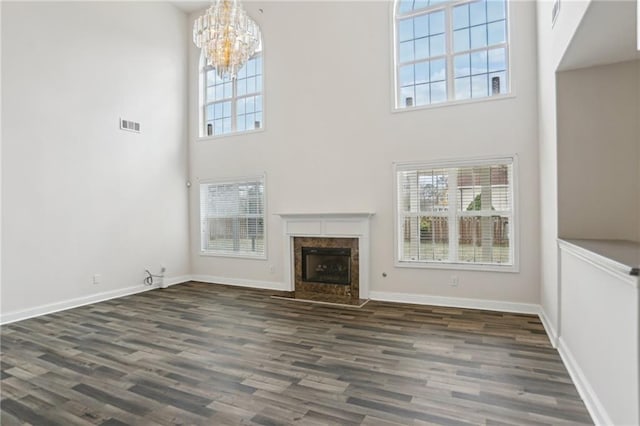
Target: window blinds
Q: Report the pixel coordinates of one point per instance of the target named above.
(456, 213)
(232, 217)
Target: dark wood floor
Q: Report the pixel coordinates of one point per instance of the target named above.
(206, 354)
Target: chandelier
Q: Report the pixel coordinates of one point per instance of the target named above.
(227, 36)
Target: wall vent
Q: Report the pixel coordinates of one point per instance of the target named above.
(131, 126)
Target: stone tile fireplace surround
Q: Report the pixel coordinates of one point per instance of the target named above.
(344, 230)
(329, 274)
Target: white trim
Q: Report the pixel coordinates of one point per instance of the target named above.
(50, 308)
(548, 327)
(480, 267)
(456, 302)
(229, 135)
(351, 215)
(240, 282)
(262, 177)
(456, 163)
(443, 163)
(231, 255)
(457, 102)
(617, 269)
(168, 282)
(597, 411)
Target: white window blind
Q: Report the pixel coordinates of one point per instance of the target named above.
(456, 213)
(232, 217)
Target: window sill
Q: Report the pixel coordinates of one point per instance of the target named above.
(228, 135)
(232, 255)
(459, 266)
(454, 103)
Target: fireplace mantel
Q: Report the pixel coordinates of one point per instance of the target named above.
(330, 224)
(326, 215)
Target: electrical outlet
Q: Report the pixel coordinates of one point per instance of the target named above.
(454, 281)
(96, 279)
(272, 269)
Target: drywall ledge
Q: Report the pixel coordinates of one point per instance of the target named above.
(618, 255)
(599, 333)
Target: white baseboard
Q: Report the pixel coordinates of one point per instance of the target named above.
(549, 328)
(168, 282)
(456, 302)
(240, 282)
(9, 317)
(597, 411)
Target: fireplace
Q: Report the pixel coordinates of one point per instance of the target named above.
(347, 232)
(326, 265)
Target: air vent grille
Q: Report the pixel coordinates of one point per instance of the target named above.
(131, 126)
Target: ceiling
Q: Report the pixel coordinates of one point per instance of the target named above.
(606, 35)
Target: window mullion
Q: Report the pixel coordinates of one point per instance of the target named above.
(234, 93)
(203, 112)
(449, 43)
(452, 194)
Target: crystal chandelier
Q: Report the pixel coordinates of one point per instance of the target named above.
(227, 36)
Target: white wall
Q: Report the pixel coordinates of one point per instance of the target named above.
(598, 151)
(79, 196)
(330, 139)
(552, 43)
(0, 155)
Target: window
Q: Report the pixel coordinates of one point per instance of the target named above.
(450, 50)
(232, 218)
(456, 213)
(232, 105)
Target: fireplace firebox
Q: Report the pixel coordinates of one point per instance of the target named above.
(326, 265)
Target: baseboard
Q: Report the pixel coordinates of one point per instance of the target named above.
(168, 282)
(240, 282)
(551, 331)
(9, 317)
(456, 302)
(597, 411)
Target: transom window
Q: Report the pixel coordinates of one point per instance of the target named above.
(457, 213)
(233, 105)
(450, 50)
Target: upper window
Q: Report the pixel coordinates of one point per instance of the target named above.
(449, 50)
(456, 213)
(232, 105)
(232, 218)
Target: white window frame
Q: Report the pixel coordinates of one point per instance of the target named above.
(204, 102)
(453, 216)
(447, 6)
(204, 229)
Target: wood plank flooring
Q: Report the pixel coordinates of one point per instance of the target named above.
(206, 354)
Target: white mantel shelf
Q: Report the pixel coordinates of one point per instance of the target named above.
(349, 215)
(328, 224)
